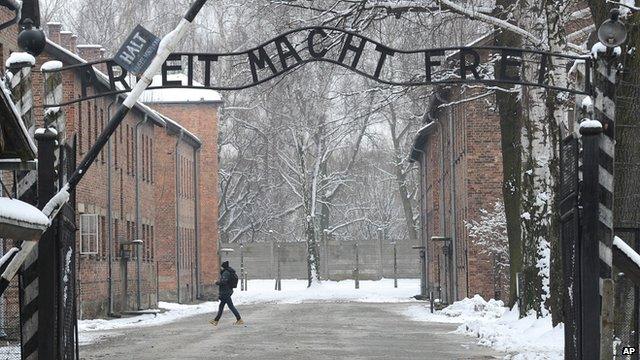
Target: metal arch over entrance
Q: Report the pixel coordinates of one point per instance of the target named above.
(362, 55)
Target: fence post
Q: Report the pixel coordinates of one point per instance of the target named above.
(242, 276)
(589, 245)
(47, 270)
(605, 87)
(380, 237)
(278, 283)
(395, 265)
(356, 270)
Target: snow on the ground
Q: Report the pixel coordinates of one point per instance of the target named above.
(296, 291)
(93, 330)
(259, 291)
(498, 327)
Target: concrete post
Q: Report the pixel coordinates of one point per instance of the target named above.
(395, 265)
(356, 270)
(380, 238)
(242, 271)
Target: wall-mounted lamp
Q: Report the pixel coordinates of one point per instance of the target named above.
(612, 32)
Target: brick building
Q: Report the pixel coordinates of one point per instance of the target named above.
(461, 173)
(460, 157)
(145, 185)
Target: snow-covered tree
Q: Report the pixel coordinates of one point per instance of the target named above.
(489, 234)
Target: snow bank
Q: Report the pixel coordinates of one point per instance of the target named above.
(495, 326)
(296, 291)
(475, 307)
(91, 331)
(528, 338)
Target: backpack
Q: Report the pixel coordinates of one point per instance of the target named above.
(233, 280)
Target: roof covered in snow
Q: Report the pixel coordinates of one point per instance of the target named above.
(179, 95)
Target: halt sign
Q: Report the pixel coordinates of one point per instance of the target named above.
(138, 50)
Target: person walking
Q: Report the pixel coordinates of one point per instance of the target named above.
(228, 281)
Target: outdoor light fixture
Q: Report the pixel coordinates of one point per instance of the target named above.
(612, 32)
(30, 39)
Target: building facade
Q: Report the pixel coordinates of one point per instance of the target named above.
(141, 236)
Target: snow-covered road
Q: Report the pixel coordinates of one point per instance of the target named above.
(292, 310)
(318, 331)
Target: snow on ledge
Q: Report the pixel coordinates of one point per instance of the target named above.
(51, 65)
(17, 210)
(625, 248)
(20, 58)
(591, 124)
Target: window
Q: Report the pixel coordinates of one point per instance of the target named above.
(151, 242)
(115, 149)
(132, 153)
(95, 122)
(103, 235)
(80, 128)
(102, 129)
(128, 149)
(89, 126)
(89, 233)
(116, 231)
(144, 158)
(151, 159)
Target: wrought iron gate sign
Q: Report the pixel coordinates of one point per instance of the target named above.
(367, 57)
(138, 50)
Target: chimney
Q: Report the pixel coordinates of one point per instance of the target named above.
(89, 52)
(54, 28)
(65, 39)
(73, 42)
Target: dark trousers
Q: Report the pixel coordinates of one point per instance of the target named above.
(226, 299)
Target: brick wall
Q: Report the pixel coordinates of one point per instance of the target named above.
(201, 118)
(478, 185)
(163, 244)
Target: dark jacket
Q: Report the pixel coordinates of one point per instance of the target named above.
(224, 282)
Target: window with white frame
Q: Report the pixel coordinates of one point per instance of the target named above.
(89, 233)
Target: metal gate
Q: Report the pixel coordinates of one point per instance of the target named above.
(66, 275)
(66, 264)
(570, 235)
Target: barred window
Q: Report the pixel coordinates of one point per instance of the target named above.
(89, 233)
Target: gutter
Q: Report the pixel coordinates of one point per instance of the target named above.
(110, 312)
(136, 164)
(196, 192)
(177, 222)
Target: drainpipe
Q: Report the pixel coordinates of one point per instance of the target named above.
(177, 188)
(110, 217)
(136, 164)
(196, 192)
(443, 230)
(452, 177)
